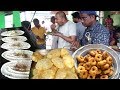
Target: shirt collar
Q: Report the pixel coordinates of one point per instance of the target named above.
(93, 26)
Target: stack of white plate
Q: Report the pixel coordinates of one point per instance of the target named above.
(15, 44)
(8, 71)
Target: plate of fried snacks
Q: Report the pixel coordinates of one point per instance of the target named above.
(55, 64)
(96, 61)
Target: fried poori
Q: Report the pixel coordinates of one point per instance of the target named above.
(44, 64)
(68, 61)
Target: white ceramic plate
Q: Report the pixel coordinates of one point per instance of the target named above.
(16, 45)
(13, 55)
(12, 33)
(7, 71)
(14, 38)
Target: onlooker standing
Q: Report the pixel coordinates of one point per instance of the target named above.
(26, 26)
(80, 29)
(39, 32)
(54, 38)
(95, 33)
(109, 25)
(108, 21)
(111, 30)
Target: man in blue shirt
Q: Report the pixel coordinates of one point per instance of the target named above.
(95, 33)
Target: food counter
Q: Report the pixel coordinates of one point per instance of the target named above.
(94, 61)
(97, 60)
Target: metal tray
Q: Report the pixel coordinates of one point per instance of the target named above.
(83, 51)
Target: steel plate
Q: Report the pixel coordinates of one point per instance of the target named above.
(84, 50)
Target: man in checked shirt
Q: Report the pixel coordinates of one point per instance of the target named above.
(95, 32)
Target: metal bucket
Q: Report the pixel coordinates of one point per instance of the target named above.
(84, 50)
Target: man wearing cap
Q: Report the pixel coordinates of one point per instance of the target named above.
(95, 32)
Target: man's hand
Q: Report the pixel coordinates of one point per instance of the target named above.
(75, 45)
(69, 39)
(38, 38)
(53, 26)
(58, 34)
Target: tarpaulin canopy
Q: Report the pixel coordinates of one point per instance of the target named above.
(16, 18)
(2, 20)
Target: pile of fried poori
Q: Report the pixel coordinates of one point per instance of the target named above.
(57, 64)
(36, 56)
(96, 64)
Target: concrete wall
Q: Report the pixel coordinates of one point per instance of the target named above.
(116, 19)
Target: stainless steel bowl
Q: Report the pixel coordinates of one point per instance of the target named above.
(84, 50)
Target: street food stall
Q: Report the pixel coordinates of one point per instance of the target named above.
(21, 60)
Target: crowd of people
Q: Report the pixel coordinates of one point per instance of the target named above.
(84, 29)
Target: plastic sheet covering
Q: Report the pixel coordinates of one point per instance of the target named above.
(16, 19)
(2, 20)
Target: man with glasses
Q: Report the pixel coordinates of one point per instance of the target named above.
(95, 32)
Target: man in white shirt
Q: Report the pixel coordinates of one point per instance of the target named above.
(66, 31)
